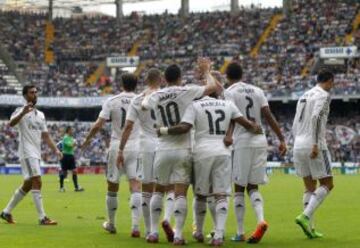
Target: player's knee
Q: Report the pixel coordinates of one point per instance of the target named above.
(36, 182)
(113, 187)
(239, 188)
(251, 187)
(27, 185)
(135, 185)
(201, 198)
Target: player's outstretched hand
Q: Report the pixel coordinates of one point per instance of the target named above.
(282, 148)
(204, 65)
(120, 160)
(314, 152)
(28, 108)
(228, 141)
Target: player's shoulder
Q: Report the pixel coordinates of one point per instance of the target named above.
(40, 113)
(137, 100)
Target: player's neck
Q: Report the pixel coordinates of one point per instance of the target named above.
(323, 86)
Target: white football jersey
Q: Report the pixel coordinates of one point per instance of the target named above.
(114, 109)
(169, 105)
(249, 100)
(312, 111)
(30, 128)
(147, 123)
(210, 118)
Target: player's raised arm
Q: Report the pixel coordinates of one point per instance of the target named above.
(18, 115)
(212, 85)
(93, 131)
(270, 119)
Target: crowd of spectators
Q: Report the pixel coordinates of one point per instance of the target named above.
(82, 43)
(342, 148)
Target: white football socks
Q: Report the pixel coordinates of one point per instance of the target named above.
(257, 203)
(239, 206)
(221, 216)
(169, 206)
(135, 205)
(155, 211)
(36, 194)
(315, 200)
(18, 195)
(111, 206)
(199, 213)
(146, 197)
(180, 215)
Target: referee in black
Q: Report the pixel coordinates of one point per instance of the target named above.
(68, 162)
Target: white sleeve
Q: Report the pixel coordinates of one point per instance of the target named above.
(150, 101)
(132, 114)
(316, 117)
(263, 99)
(228, 96)
(189, 115)
(44, 125)
(235, 112)
(16, 112)
(105, 111)
(193, 92)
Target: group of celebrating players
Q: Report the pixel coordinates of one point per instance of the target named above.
(167, 138)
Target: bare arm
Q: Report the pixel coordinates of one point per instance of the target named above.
(126, 134)
(176, 130)
(94, 129)
(15, 120)
(249, 125)
(228, 139)
(270, 119)
(49, 141)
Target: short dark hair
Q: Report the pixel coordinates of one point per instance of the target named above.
(68, 128)
(324, 76)
(234, 71)
(129, 81)
(26, 88)
(172, 73)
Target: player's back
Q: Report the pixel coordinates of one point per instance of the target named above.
(116, 108)
(146, 120)
(212, 120)
(307, 106)
(169, 105)
(249, 100)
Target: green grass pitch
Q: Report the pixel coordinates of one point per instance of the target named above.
(80, 216)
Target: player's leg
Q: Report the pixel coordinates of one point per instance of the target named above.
(75, 177)
(310, 187)
(111, 206)
(241, 165)
(162, 168)
(62, 174)
(18, 195)
(113, 178)
(257, 177)
(134, 174)
(147, 191)
(201, 172)
(146, 163)
(169, 203)
(180, 176)
(221, 180)
(135, 206)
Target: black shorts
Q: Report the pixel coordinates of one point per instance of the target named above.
(68, 162)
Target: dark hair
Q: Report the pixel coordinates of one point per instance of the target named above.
(26, 88)
(129, 81)
(68, 128)
(234, 71)
(153, 75)
(172, 73)
(324, 76)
